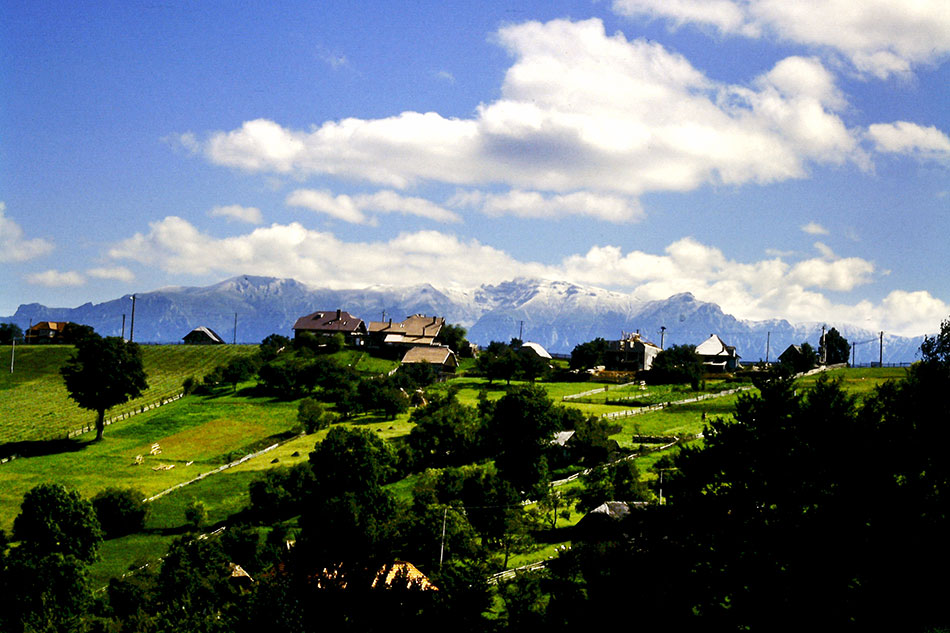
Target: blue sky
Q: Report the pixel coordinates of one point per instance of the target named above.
(781, 159)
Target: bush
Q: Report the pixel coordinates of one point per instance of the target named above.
(312, 415)
(120, 511)
(196, 514)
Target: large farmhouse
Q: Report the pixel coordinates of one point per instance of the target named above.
(415, 330)
(45, 332)
(631, 353)
(716, 355)
(328, 323)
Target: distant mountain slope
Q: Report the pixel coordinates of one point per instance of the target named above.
(557, 314)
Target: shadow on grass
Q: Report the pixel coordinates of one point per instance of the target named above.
(36, 448)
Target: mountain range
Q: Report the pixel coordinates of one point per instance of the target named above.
(556, 314)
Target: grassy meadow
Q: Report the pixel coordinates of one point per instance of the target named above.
(36, 405)
(197, 434)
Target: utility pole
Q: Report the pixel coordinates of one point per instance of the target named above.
(521, 331)
(880, 358)
(123, 326)
(662, 335)
(852, 353)
(234, 337)
(768, 344)
(445, 514)
(132, 325)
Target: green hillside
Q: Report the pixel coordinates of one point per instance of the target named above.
(34, 404)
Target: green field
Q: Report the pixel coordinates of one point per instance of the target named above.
(37, 407)
(199, 433)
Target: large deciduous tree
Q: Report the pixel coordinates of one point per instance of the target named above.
(103, 373)
(10, 332)
(676, 364)
(56, 520)
(833, 348)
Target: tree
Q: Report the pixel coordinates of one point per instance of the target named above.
(53, 519)
(196, 514)
(75, 333)
(103, 373)
(497, 361)
(834, 348)
(521, 427)
(238, 370)
(676, 364)
(349, 519)
(619, 481)
(530, 365)
(272, 345)
(312, 415)
(120, 511)
(453, 336)
(445, 433)
(589, 354)
(10, 332)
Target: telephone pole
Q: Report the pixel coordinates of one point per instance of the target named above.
(768, 344)
(132, 324)
(662, 335)
(880, 358)
(234, 337)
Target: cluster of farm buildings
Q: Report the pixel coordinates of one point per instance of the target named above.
(414, 340)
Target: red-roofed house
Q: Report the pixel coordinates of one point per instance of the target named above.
(328, 323)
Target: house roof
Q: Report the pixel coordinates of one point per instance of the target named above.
(43, 326)
(418, 329)
(562, 437)
(203, 332)
(537, 349)
(434, 355)
(330, 321)
(404, 571)
(714, 346)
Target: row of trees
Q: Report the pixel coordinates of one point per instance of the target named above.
(507, 361)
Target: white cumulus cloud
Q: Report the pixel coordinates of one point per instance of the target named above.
(54, 278)
(355, 209)
(119, 273)
(533, 204)
(594, 118)
(14, 246)
(251, 215)
(813, 228)
(903, 137)
(880, 37)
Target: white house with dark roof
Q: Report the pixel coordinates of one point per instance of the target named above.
(716, 355)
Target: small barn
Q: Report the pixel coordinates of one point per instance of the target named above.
(538, 350)
(440, 357)
(202, 336)
(716, 355)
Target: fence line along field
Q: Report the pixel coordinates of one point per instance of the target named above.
(34, 404)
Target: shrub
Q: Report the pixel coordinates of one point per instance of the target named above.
(196, 514)
(120, 511)
(312, 415)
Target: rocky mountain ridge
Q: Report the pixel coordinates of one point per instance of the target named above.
(556, 314)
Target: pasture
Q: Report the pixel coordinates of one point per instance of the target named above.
(200, 433)
(37, 407)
